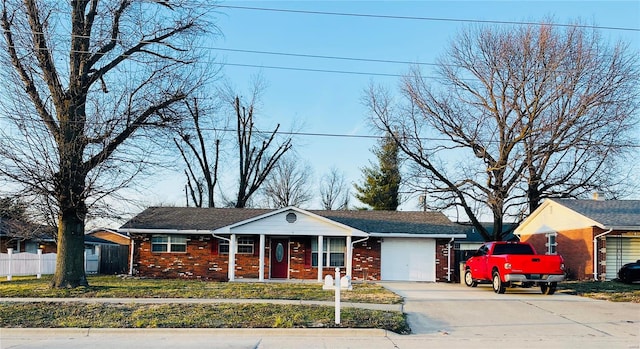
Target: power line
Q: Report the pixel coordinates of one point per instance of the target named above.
(312, 70)
(322, 134)
(319, 56)
(417, 18)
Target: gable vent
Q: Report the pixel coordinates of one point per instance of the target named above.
(291, 217)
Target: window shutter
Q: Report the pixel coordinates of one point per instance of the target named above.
(256, 247)
(307, 253)
(214, 246)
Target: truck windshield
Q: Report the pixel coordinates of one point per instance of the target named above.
(512, 249)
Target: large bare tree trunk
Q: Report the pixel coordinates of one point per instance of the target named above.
(70, 270)
(73, 109)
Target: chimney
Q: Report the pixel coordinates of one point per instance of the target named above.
(598, 196)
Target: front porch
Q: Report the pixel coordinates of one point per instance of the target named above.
(284, 258)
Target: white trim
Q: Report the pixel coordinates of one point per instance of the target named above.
(548, 206)
(320, 255)
(595, 253)
(232, 257)
(425, 236)
(168, 231)
(348, 256)
(351, 231)
(108, 230)
(261, 261)
(133, 244)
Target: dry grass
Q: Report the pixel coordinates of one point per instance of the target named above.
(613, 291)
(101, 315)
(116, 287)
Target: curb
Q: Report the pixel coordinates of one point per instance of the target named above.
(52, 333)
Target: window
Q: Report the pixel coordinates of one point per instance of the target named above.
(244, 246)
(168, 243)
(333, 254)
(551, 243)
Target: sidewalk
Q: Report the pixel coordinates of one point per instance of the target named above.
(370, 306)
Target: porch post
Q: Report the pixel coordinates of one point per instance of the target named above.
(320, 255)
(349, 257)
(232, 257)
(261, 268)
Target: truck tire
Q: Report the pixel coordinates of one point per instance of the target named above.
(468, 279)
(549, 288)
(497, 284)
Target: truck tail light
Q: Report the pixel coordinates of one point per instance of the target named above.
(507, 266)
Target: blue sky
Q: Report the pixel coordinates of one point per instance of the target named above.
(330, 103)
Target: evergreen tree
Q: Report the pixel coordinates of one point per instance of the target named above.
(382, 180)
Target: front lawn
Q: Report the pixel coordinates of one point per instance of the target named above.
(101, 315)
(71, 314)
(607, 290)
(117, 287)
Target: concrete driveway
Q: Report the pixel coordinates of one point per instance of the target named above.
(520, 315)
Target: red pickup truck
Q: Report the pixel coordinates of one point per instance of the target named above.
(513, 264)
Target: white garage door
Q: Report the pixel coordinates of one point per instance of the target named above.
(620, 251)
(406, 259)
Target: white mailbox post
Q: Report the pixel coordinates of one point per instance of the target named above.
(337, 312)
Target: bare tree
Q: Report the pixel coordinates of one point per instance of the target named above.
(527, 112)
(255, 162)
(202, 170)
(334, 191)
(288, 184)
(88, 80)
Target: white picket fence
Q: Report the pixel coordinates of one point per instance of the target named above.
(38, 264)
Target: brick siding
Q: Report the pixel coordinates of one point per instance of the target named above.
(442, 255)
(575, 247)
(203, 261)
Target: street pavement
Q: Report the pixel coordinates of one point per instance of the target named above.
(440, 315)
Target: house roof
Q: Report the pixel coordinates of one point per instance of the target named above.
(107, 230)
(19, 229)
(609, 213)
(570, 214)
(395, 222)
(381, 222)
(92, 240)
(474, 236)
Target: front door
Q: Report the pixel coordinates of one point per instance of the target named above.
(279, 258)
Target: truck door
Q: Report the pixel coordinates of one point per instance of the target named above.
(480, 271)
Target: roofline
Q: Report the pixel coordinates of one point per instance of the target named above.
(531, 216)
(114, 231)
(518, 231)
(354, 231)
(409, 235)
(622, 227)
(166, 231)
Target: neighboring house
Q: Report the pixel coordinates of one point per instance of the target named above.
(103, 256)
(110, 235)
(604, 233)
(230, 243)
(115, 257)
(26, 237)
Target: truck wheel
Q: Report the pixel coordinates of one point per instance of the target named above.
(498, 285)
(548, 289)
(468, 279)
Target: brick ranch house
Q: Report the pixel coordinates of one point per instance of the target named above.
(263, 244)
(604, 233)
